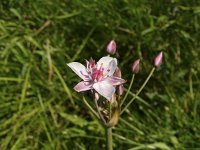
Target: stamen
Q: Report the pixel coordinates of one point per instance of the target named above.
(102, 74)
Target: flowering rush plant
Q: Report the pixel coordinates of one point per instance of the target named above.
(103, 78)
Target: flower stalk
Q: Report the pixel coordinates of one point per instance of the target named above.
(129, 88)
(90, 107)
(108, 132)
(138, 92)
(99, 112)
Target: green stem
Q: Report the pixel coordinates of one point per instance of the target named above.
(109, 138)
(110, 111)
(141, 88)
(90, 107)
(99, 112)
(129, 88)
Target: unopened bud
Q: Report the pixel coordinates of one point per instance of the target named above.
(120, 90)
(111, 48)
(96, 95)
(158, 60)
(136, 66)
(117, 73)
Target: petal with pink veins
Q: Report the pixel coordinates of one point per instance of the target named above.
(105, 89)
(114, 80)
(83, 86)
(79, 69)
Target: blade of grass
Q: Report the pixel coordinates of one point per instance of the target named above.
(24, 89)
(131, 126)
(67, 15)
(83, 44)
(10, 79)
(67, 90)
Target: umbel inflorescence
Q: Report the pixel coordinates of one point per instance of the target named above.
(103, 78)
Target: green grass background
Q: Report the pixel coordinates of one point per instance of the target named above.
(39, 108)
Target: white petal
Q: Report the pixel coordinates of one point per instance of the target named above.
(105, 61)
(79, 69)
(109, 64)
(111, 68)
(104, 89)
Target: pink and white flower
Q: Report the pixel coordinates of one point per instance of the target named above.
(97, 76)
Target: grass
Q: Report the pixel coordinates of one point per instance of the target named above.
(39, 108)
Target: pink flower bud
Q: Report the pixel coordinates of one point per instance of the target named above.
(120, 90)
(117, 73)
(111, 48)
(158, 60)
(136, 66)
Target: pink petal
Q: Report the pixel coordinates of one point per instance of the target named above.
(104, 89)
(79, 69)
(114, 80)
(83, 86)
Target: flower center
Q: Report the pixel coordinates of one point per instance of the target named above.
(97, 73)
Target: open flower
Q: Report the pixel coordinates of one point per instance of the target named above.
(97, 76)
